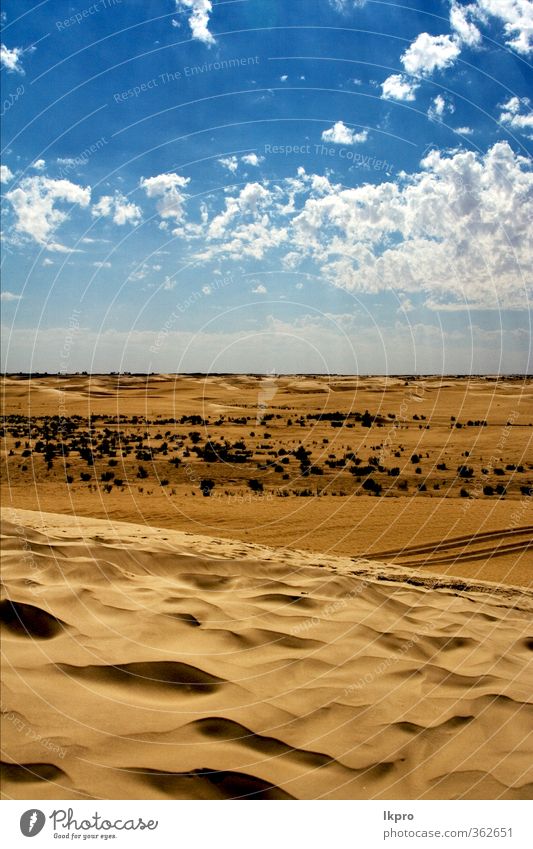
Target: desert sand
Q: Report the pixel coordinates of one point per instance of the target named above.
(156, 664)
(477, 527)
(287, 630)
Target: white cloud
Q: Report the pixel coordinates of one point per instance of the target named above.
(466, 31)
(320, 184)
(118, 208)
(430, 53)
(464, 131)
(284, 78)
(231, 163)
(47, 262)
(199, 18)
(517, 19)
(439, 106)
(33, 202)
(10, 296)
(5, 174)
(346, 5)
(260, 290)
(339, 133)
(102, 264)
(405, 304)
(398, 87)
(10, 59)
(168, 188)
(252, 159)
(39, 165)
(460, 226)
(516, 114)
(252, 200)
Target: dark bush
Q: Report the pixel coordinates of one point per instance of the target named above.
(255, 485)
(206, 486)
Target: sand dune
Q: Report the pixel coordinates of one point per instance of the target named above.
(147, 663)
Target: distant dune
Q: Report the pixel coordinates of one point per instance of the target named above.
(430, 473)
(148, 663)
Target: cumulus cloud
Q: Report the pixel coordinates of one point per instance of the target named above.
(346, 5)
(200, 11)
(517, 115)
(339, 133)
(251, 200)
(101, 264)
(5, 174)
(34, 203)
(439, 107)
(231, 163)
(460, 226)
(517, 19)
(457, 230)
(11, 59)
(168, 188)
(9, 296)
(259, 289)
(244, 228)
(118, 208)
(399, 87)
(460, 21)
(464, 131)
(430, 53)
(252, 159)
(39, 165)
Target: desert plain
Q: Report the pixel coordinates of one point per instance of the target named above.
(267, 586)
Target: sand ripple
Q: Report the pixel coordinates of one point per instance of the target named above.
(141, 663)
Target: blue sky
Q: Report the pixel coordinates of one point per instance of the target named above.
(332, 186)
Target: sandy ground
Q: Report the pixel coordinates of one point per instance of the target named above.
(292, 634)
(478, 537)
(147, 663)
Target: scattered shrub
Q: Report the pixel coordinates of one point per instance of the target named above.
(206, 486)
(255, 485)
